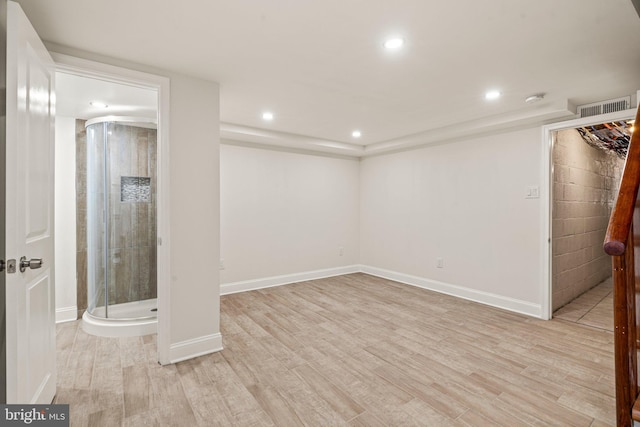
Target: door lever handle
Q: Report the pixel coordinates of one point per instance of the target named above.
(33, 263)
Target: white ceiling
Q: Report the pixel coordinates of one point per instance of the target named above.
(75, 93)
(320, 66)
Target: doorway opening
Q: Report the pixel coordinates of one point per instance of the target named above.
(129, 268)
(586, 160)
(115, 238)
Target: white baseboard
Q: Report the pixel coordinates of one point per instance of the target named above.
(66, 314)
(499, 301)
(195, 347)
(268, 282)
(487, 298)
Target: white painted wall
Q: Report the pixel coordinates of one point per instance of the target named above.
(65, 223)
(464, 202)
(195, 210)
(284, 213)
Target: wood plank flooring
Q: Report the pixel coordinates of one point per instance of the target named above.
(353, 350)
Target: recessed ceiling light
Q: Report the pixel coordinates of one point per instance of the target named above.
(98, 104)
(356, 134)
(491, 95)
(393, 43)
(267, 116)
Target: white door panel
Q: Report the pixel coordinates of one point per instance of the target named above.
(37, 168)
(30, 304)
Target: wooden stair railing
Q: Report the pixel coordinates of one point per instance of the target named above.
(619, 244)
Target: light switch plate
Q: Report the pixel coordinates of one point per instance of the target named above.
(533, 192)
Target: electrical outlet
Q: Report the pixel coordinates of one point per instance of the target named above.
(439, 262)
(221, 263)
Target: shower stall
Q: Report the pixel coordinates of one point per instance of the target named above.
(121, 226)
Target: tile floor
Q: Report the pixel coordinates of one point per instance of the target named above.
(593, 308)
(352, 351)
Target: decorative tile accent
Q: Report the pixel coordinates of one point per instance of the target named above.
(135, 189)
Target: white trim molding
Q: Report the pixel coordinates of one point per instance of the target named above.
(268, 282)
(541, 113)
(486, 298)
(195, 347)
(240, 133)
(66, 314)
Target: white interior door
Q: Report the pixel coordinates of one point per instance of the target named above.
(30, 301)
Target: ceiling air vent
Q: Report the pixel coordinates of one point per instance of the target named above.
(604, 107)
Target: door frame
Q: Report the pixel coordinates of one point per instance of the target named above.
(548, 132)
(110, 73)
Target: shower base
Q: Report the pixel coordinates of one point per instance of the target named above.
(130, 319)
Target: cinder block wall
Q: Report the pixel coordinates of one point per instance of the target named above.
(585, 184)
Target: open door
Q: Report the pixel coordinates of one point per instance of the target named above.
(30, 301)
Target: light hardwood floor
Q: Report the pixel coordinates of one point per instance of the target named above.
(353, 350)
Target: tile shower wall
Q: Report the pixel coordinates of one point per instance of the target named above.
(131, 220)
(585, 184)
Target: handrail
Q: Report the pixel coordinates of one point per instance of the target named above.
(622, 214)
(619, 243)
(625, 334)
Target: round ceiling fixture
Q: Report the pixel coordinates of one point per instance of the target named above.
(356, 134)
(98, 104)
(268, 116)
(534, 98)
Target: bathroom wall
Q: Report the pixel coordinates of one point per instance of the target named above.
(585, 184)
(65, 219)
(132, 216)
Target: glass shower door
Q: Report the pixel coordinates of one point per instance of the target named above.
(96, 224)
